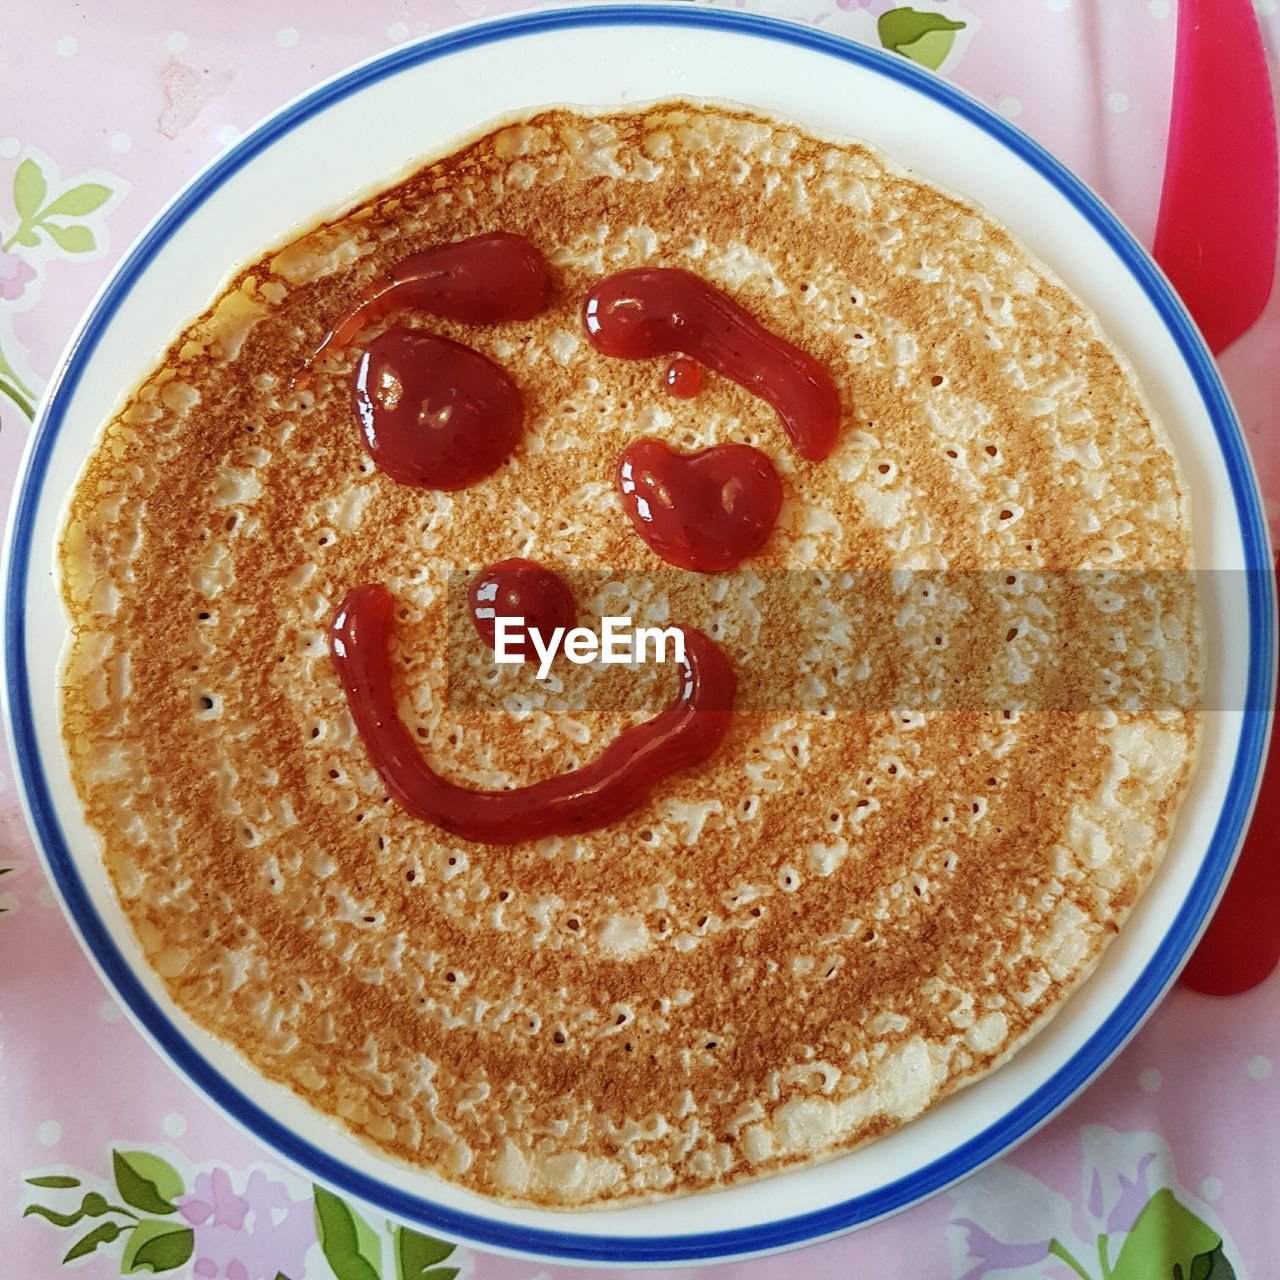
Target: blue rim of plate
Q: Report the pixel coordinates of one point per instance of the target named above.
(804, 1228)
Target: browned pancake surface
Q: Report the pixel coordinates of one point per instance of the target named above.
(944, 790)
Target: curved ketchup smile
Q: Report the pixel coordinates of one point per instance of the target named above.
(613, 784)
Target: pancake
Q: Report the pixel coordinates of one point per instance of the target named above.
(967, 659)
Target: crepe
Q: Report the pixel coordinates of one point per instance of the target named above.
(967, 661)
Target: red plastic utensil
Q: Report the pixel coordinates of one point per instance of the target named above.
(1242, 945)
(1216, 240)
(1216, 232)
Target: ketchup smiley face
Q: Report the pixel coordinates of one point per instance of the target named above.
(437, 414)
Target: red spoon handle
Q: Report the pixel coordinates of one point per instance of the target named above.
(1216, 233)
(1242, 944)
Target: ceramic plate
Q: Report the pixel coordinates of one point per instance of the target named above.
(353, 133)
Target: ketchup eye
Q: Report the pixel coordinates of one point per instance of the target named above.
(434, 413)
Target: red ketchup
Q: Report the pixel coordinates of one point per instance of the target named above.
(684, 378)
(434, 413)
(706, 511)
(599, 793)
(520, 589)
(484, 280)
(654, 311)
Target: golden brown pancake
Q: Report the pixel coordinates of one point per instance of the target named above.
(967, 663)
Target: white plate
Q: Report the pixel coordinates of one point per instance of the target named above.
(367, 124)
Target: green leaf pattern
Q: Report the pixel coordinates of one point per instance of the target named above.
(416, 1256)
(50, 221)
(350, 1245)
(157, 1246)
(1168, 1242)
(921, 35)
(146, 1181)
(35, 212)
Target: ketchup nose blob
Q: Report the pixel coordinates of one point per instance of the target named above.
(705, 511)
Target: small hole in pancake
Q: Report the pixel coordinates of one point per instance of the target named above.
(371, 919)
(574, 924)
(883, 468)
(451, 976)
(937, 380)
(559, 1038)
(991, 451)
(951, 453)
(711, 1044)
(628, 1046)
(382, 842)
(991, 782)
(1006, 514)
(204, 615)
(1011, 634)
(757, 912)
(410, 876)
(206, 703)
(804, 288)
(504, 895)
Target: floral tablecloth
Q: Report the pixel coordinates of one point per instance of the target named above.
(1168, 1168)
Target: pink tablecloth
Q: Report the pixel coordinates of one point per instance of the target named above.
(109, 1159)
